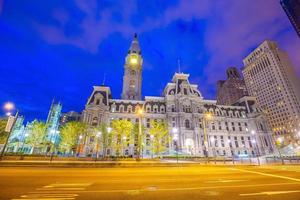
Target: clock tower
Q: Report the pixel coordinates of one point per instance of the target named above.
(132, 79)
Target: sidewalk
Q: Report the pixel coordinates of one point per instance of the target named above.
(44, 163)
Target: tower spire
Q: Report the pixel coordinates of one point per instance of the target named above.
(132, 79)
(179, 65)
(135, 46)
(104, 79)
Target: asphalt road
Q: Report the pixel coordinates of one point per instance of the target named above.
(186, 183)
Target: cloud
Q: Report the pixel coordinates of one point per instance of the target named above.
(1, 6)
(242, 27)
(233, 28)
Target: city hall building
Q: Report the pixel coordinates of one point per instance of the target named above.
(238, 130)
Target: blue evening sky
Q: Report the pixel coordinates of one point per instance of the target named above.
(60, 49)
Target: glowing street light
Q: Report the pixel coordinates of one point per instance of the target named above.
(208, 115)
(175, 138)
(174, 130)
(280, 140)
(8, 114)
(98, 134)
(9, 106)
(253, 132)
(109, 129)
(140, 111)
(152, 149)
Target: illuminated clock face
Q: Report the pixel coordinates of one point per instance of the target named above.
(133, 60)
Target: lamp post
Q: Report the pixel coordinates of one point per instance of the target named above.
(140, 114)
(256, 145)
(230, 146)
(98, 135)
(207, 116)
(152, 138)
(78, 144)
(175, 138)
(9, 107)
(124, 142)
(280, 141)
(212, 140)
(105, 141)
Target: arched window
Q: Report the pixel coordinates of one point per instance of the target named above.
(187, 123)
(121, 108)
(162, 109)
(261, 127)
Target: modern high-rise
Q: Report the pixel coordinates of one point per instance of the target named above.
(231, 90)
(132, 79)
(270, 77)
(292, 10)
(52, 122)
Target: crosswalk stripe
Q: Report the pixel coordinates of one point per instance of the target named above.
(55, 191)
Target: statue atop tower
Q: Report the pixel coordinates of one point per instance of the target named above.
(132, 79)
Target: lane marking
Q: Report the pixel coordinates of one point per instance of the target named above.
(271, 193)
(184, 189)
(271, 175)
(225, 181)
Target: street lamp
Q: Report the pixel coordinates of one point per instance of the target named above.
(212, 140)
(151, 138)
(78, 144)
(175, 138)
(207, 116)
(9, 107)
(109, 129)
(140, 114)
(230, 146)
(257, 154)
(98, 134)
(280, 140)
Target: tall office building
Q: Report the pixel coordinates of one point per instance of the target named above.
(270, 77)
(292, 9)
(53, 120)
(232, 89)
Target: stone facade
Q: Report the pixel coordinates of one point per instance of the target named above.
(183, 107)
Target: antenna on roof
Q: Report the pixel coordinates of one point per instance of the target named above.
(104, 77)
(179, 65)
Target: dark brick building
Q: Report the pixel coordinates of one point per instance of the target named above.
(232, 89)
